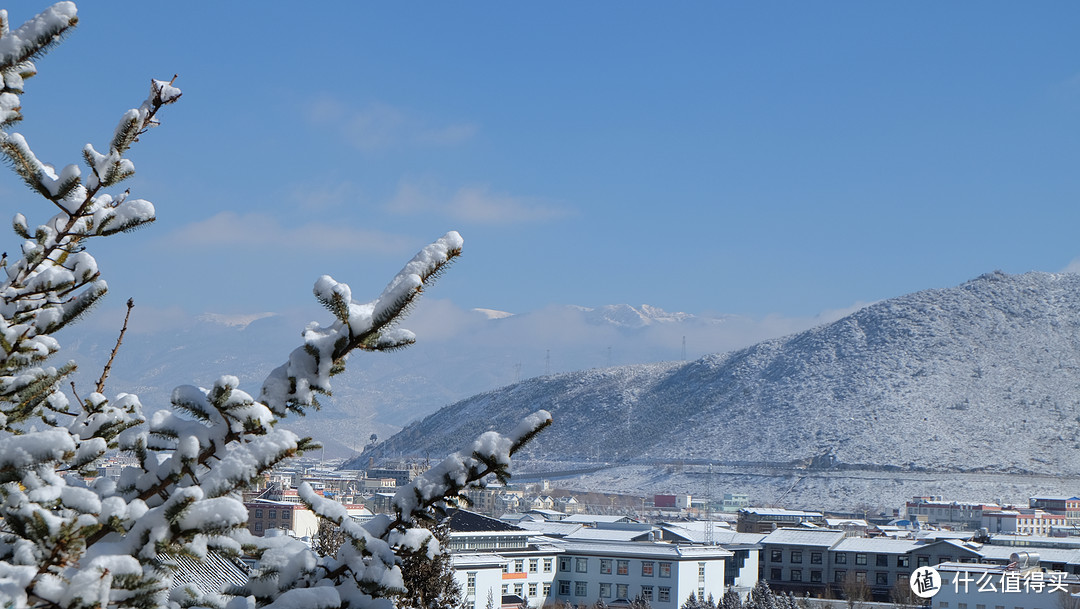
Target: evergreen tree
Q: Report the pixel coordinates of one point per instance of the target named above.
(691, 602)
(730, 600)
(761, 597)
(66, 543)
(429, 581)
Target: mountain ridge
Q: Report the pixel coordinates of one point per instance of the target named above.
(979, 377)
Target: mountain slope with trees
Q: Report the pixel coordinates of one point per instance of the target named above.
(983, 377)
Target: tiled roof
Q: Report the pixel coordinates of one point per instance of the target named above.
(209, 575)
(464, 521)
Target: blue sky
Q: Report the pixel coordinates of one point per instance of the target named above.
(746, 158)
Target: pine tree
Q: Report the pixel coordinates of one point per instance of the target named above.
(730, 600)
(430, 582)
(691, 602)
(66, 543)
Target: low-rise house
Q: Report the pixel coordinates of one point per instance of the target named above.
(265, 515)
(765, 520)
(957, 514)
(1019, 585)
(1022, 522)
(1063, 505)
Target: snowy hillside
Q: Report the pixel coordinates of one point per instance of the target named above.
(984, 377)
(458, 353)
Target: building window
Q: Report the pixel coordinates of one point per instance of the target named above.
(470, 584)
(815, 558)
(860, 576)
(605, 590)
(840, 577)
(547, 589)
(519, 566)
(532, 590)
(506, 588)
(796, 556)
(582, 565)
(519, 589)
(902, 561)
(258, 527)
(506, 567)
(622, 568)
(701, 571)
(941, 559)
(258, 513)
(564, 587)
(547, 565)
(922, 561)
(796, 575)
(272, 514)
(664, 594)
(882, 560)
(841, 559)
(774, 574)
(776, 556)
(665, 569)
(534, 565)
(564, 563)
(605, 566)
(881, 579)
(646, 568)
(581, 588)
(622, 591)
(646, 593)
(860, 559)
(815, 577)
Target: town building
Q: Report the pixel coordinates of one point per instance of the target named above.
(766, 520)
(1022, 521)
(1064, 505)
(957, 514)
(617, 572)
(1018, 585)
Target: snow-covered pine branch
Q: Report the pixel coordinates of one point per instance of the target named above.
(70, 543)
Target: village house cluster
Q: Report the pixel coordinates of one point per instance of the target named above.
(531, 545)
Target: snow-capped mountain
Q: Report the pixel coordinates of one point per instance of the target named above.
(980, 378)
(626, 316)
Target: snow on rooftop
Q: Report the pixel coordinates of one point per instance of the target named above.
(805, 537)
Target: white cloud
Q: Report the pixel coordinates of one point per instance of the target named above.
(1072, 267)
(230, 229)
(476, 204)
(380, 126)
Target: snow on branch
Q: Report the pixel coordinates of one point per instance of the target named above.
(367, 326)
(69, 540)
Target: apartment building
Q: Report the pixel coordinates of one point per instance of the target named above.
(957, 514)
(616, 572)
